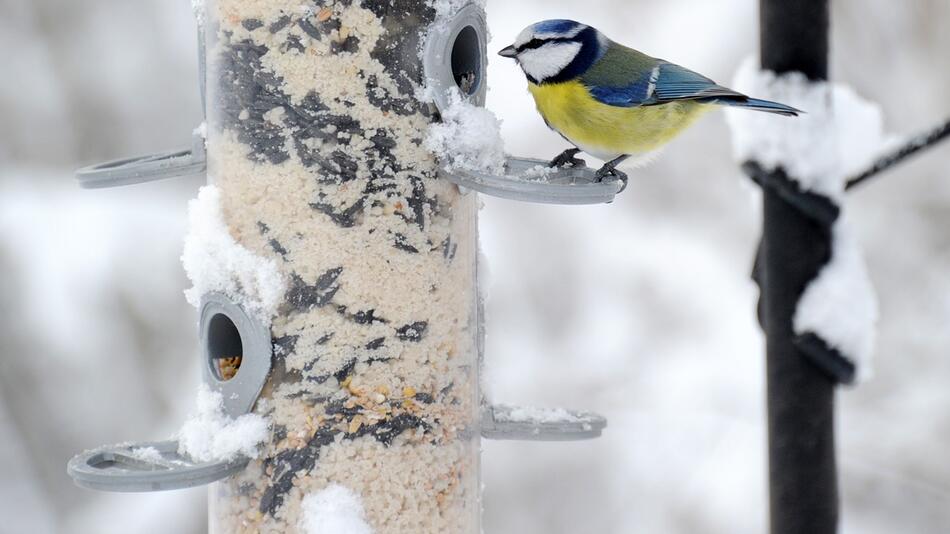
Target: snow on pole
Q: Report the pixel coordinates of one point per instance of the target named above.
(317, 159)
(839, 135)
(796, 246)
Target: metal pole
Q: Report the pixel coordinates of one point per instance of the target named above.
(314, 144)
(802, 471)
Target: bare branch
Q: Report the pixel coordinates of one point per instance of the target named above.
(915, 145)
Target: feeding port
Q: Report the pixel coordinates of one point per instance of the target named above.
(467, 68)
(236, 348)
(456, 57)
(225, 349)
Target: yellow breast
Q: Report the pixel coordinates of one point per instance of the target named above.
(610, 131)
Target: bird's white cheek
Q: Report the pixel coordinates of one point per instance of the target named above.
(549, 60)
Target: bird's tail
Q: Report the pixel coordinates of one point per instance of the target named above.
(756, 104)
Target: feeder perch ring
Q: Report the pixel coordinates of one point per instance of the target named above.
(122, 468)
(564, 185)
(144, 169)
(499, 422)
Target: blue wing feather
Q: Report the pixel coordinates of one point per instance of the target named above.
(666, 83)
(680, 83)
(635, 94)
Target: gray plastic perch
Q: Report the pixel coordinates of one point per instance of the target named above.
(124, 468)
(524, 182)
(499, 423)
(144, 169)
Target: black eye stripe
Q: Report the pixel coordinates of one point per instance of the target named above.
(532, 44)
(538, 43)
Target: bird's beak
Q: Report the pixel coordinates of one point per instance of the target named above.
(508, 52)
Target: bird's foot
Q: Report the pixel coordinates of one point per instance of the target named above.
(568, 158)
(610, 170)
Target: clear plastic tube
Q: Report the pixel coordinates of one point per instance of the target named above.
(314, 141)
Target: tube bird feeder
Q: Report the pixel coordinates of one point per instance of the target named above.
(351, 318)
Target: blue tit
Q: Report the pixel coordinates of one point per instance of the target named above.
(611, 101)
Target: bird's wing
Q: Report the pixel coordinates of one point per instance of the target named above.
(679, 83)
(627, 78)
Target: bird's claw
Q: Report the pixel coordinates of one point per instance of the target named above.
(567, 158)
(608, 171)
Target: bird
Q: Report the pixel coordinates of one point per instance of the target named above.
(611, 101)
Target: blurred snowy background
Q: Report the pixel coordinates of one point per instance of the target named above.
(642, 310)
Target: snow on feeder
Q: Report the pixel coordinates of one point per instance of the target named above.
(334, 264)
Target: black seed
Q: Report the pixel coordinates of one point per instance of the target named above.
(302, 297)
(382, 141)
(424, 398)
(285, 345)
(449, 249)
(317, 127)
(345, 124)
(251, 24)
(279, 24)
(417, 203)
(293, 43)
(345, 218)
(341, 167)
(318, 379)
(339, 408)
(385, 101)
(376, 343)
(347, 164)
(277, 247)
(402, 243)
(380, 185)
(412, 332)
(346, 371)
(366, 317)
(445, 391)
(386, 431)
(288, 464)
(309, 109)
(330, 25)
(351, 45)
(309, 29)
